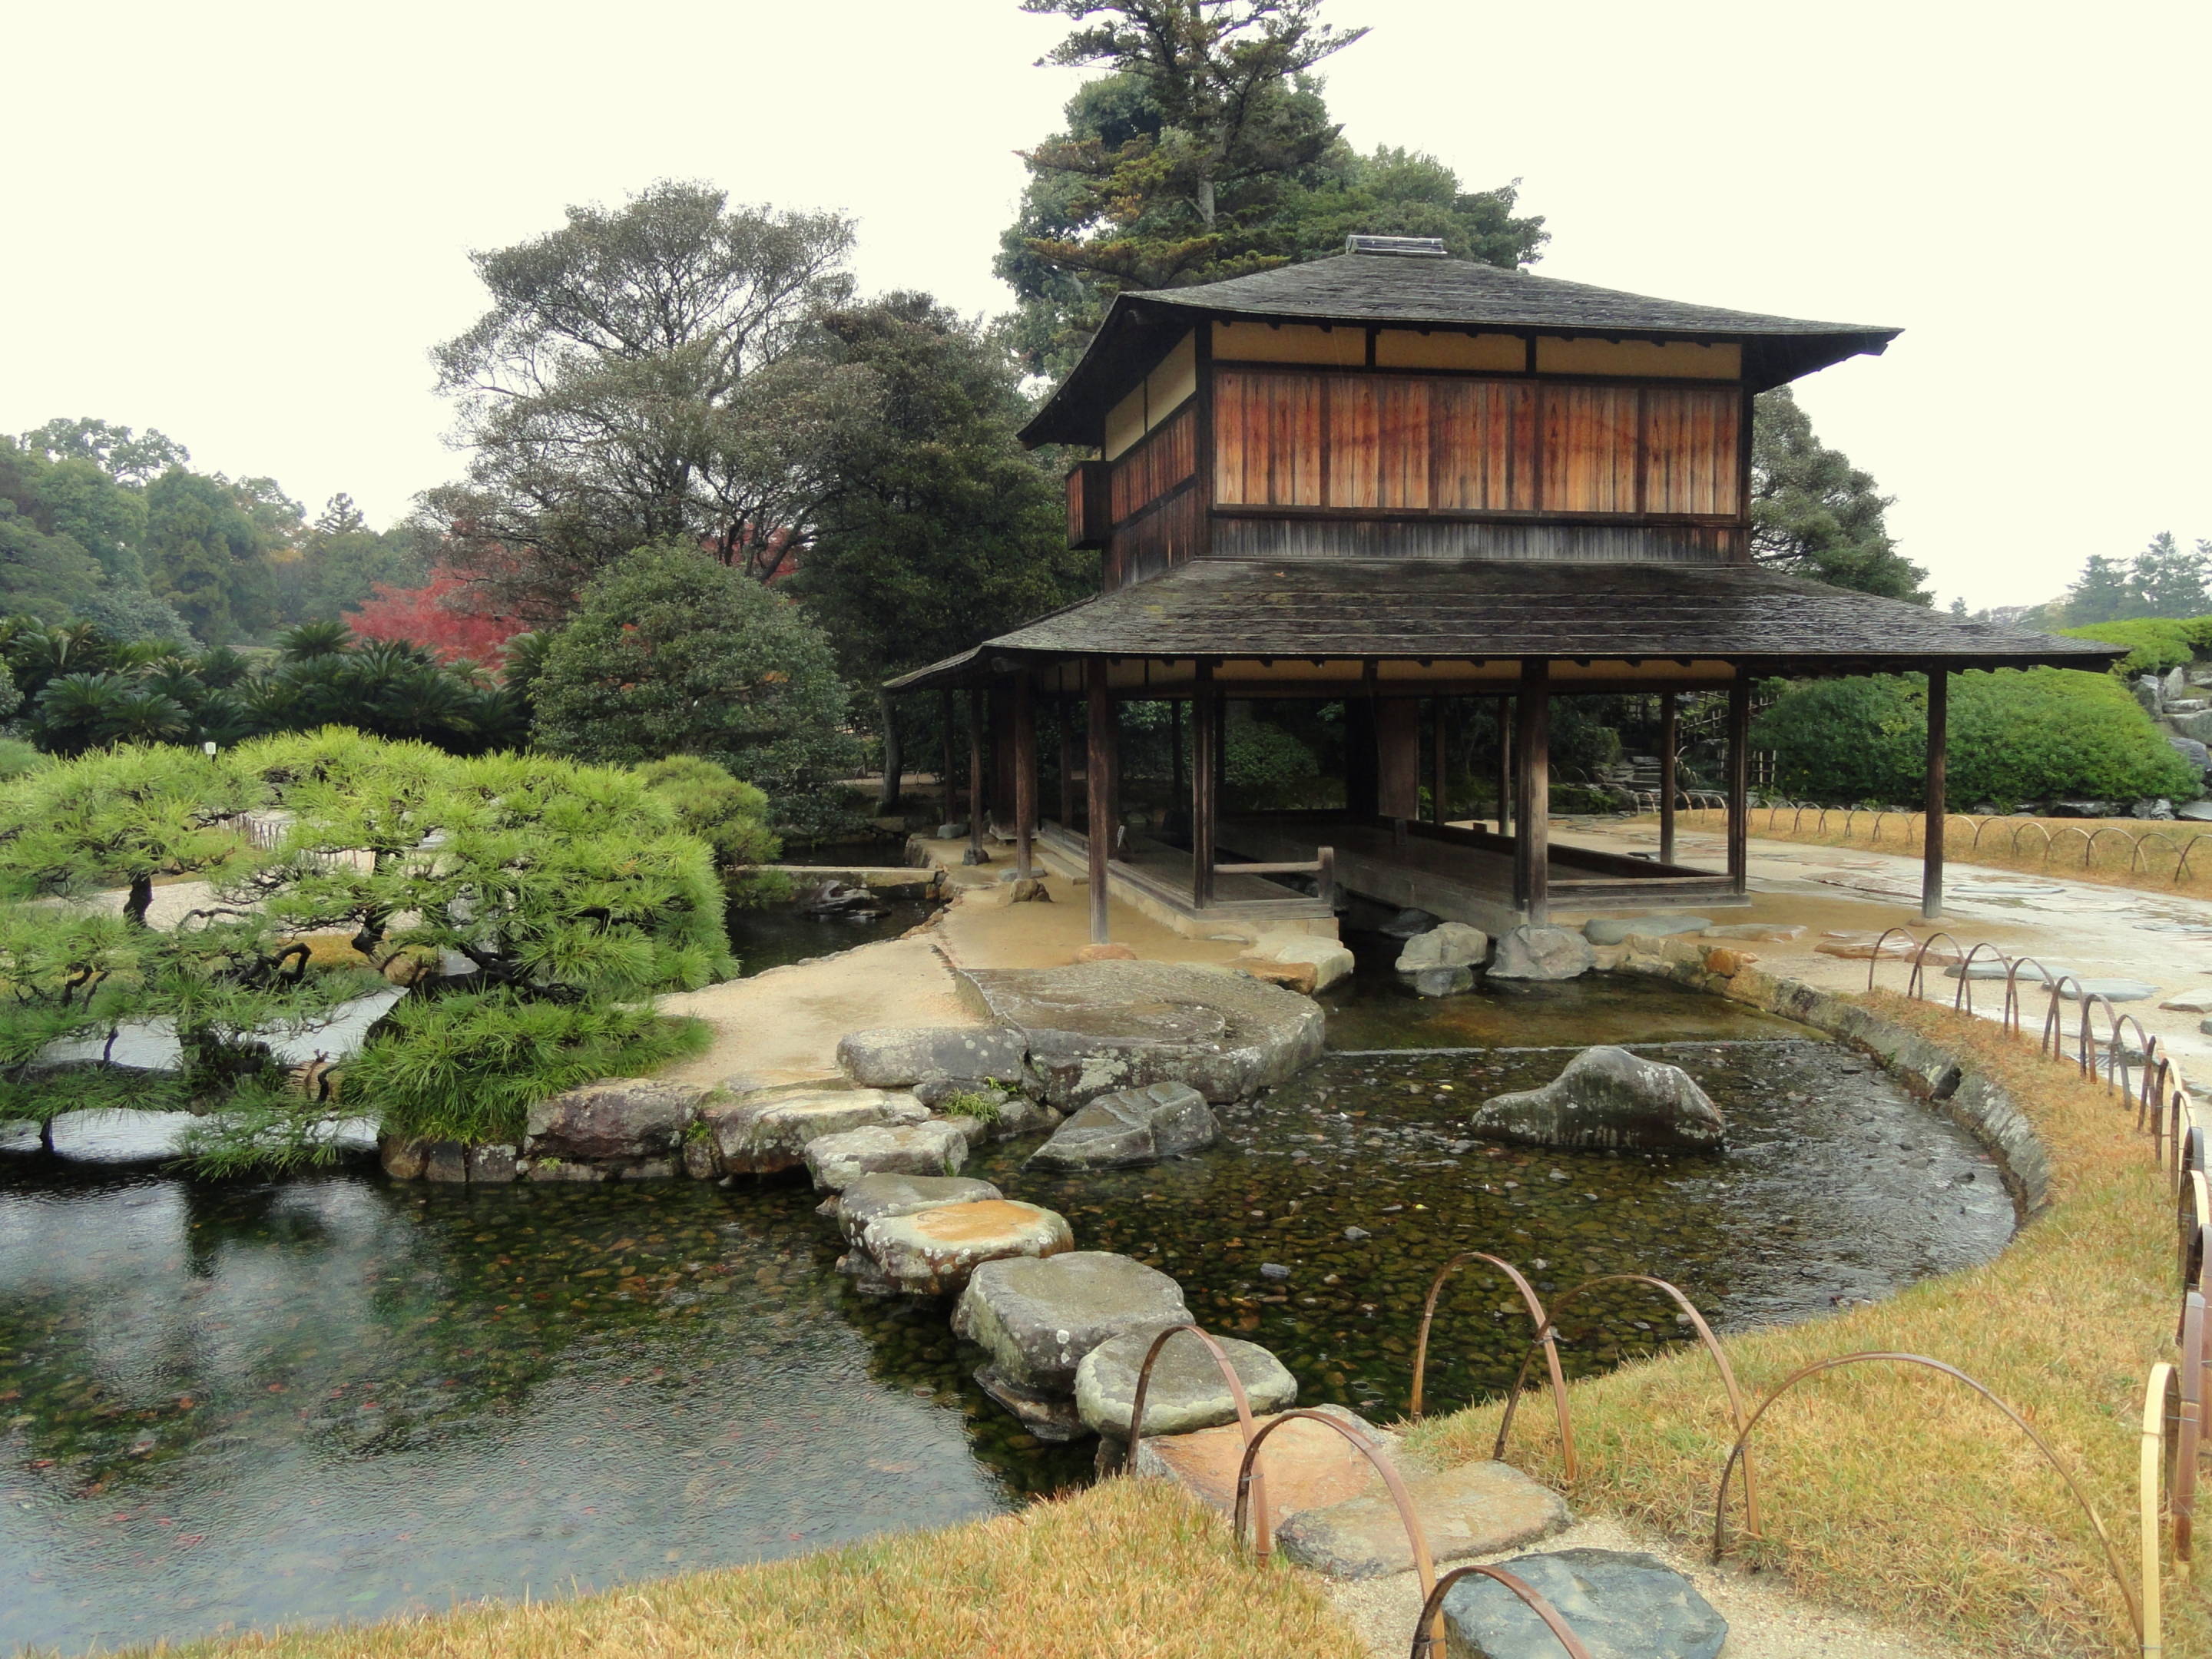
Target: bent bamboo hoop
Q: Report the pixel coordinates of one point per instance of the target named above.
(2161, 1408)
(1536, 1315)
(1236, 1394)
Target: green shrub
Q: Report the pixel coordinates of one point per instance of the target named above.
(2015, 736)
(17, 757)
(729, 815)
(2157, 643)
(981, 1103)
(466, 1065)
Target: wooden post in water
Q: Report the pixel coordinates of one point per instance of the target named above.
(1026, 771)
(1667, 709)
(1739, 781)
(1532, 806)
(1205, 794)
(1097, 766)
(1931, 859)
(975, 773)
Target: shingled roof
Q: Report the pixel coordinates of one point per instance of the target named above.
(1415, 291)
(1437, 609)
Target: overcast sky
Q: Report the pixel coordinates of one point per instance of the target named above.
(245, 225)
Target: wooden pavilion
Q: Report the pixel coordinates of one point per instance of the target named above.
(1394, 476)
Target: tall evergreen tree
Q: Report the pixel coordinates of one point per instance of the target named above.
(1815, 515)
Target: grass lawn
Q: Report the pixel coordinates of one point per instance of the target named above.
(1896, 1492)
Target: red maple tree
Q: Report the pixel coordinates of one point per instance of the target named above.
(441, 616)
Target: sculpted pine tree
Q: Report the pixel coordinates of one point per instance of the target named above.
(1815, 515)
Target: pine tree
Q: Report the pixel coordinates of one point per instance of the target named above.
(1815, 515)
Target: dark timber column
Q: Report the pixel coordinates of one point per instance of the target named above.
(1205, 794)
(894, 766)
(1398, 757)
(1939, 721)
(1439, 720)
(1532, 803)
(1096, 768)
(944, 773)
(1063, 718)
(975, 773)
(1738, 780)
(1505, 766)
(1026, 771)
(1667, 708)
(1175, 747)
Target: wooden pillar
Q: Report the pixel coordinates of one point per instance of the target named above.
(1440, 762)
(945, 772)
(894, 765)
(1363, 772)
(1026, 771)
(1931, 860)
(1739, 781)
(1532, 803)
(975, 772)
(1096, 768)
(1205, 792)
(1505, 766)
(1398, 757)
(1175, 748)
(1063, 717)
(1667, 709)
(1003, 786)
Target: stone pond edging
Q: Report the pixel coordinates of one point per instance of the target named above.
(1975, 1101)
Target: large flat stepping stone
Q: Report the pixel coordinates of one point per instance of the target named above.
(1129, 1127)
(2112, 990)
(769, 1130)
(1187, 1391)
(898, 1057)
(1038, 1318)
(934, 1148)
(1608, 1098)
(1095, 1027)
(119, 1135)
(935, 1251)
(1307, 1464)
(1609, 930)
(1477, 1509)
(620, 1120)
(1778, 932)
(1621, 1605)
(879, 1197)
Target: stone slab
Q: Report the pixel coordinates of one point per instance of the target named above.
(1609, 930)
(2189, 1002)
(898, 1057)
(1096, 1027)
(1128, 1128)
(1779, 933)
(935, 1251)
(1620, 1605)
(2112, 990)
(1325, 961)
(934, 1148)
(119, 1135)
(768, 1130)
(1187, 1390)
(880, 1197)
(1307, 1464)
(1476, 1509)
(21, 1135)
(619, 1119)
(1037, 1318)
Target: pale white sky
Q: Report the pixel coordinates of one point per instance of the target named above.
(246, 224)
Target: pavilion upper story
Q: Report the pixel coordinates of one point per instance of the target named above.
(1397, 402)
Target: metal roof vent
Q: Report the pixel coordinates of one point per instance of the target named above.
(1423, 247)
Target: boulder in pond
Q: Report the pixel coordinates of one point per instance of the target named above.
(1095, 1027)
(1130, 1127)
(118, 1134)
(1619, 1603)
(1408, 923)
(836, 897)
(766, 1130)
(1447, 944)
(1304, 963)
(1468, 1510)
(1187, 1391)
(935, 1251)
(933, 1147)
(1441, 982)
(1608, 1098)
(617, 1121)
(1038, 1317)
(1542, 953)
(21, 1135)
(901, 1056)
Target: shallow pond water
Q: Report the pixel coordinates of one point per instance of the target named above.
(337, 1398)
(776, 935)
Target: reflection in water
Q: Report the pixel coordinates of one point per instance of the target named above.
(776, 935)
(331, 1398)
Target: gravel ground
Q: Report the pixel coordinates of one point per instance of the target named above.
(1766, 1620)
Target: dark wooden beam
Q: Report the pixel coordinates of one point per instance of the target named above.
(1667, 739)
(1931, 860)
(1504, 707)
(1175, 747)
(1025, 772)
(1739, 783)
(1532, 806)
(975, 771)
(1063, 717)
(1440, 761)
(944, 773)
(1097, 828)
(1205, 795)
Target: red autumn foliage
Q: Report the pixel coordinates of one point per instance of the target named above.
(439, 616)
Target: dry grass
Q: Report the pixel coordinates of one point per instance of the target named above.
(2133, 853)
(1128, 1568)
(1894, 1491)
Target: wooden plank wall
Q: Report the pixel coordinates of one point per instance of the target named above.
(1157, 507)
(1400, 443)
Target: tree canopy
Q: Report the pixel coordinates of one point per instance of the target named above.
(1815, 515)
(2164, 579)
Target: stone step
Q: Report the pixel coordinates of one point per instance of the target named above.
(1477, 1509)
(1308, 1465)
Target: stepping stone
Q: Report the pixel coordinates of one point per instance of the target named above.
(1606, 930)
(1447, 944)
(934, 1148)
(1778, 932)
(1606, 1098)
(1037, 1318)
(767, 1130)
(2113, 990)
(1187, 1390)
(1308, 1465)
(1306, 962)
(1477, 1509)
(119, 1135)
(1621, 1605)
(21, 1135)
(1131, 1128)
(2189, 1002)
(898, 1057)
(2031, 973)
(935, 1251)
(1542, 953)
(881, 1197)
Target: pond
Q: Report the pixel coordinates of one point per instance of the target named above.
(334, 1398)
(776, 935)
